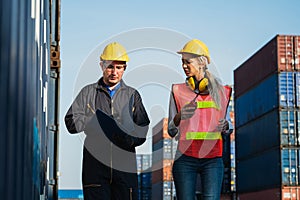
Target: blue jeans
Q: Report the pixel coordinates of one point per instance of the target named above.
(185, 171)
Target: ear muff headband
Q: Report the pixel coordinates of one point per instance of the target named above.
(195, 85)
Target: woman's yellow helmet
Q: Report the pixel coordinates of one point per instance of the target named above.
(196, 47)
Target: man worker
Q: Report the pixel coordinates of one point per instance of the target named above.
(114, 120)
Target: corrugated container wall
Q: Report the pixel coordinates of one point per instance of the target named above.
(53, 99)
(280, 127)
(280, 54)
(276, 91)
(27, 169)
(270, 169)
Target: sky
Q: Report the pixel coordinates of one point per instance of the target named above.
(152, 32)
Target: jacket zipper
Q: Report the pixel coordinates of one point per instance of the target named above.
(111, 169)
(130, 193)
(111, 144)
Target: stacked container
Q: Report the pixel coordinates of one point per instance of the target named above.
(228, 187)
(144, 176)
(267, 123)
(163, 152)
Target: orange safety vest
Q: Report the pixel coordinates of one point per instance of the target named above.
(198, 135)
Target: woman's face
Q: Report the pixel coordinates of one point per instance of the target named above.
(191, 66)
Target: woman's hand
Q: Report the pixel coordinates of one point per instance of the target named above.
(223, 125)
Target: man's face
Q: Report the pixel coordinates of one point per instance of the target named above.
(112, 72)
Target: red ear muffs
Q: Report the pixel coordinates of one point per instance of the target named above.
(196, 86)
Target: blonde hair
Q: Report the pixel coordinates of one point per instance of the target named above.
(215, 87)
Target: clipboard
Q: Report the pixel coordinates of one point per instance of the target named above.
(114, 131)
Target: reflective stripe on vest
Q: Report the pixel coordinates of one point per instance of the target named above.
(207, 104)
(203, 135)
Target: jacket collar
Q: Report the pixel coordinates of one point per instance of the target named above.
(101, 85)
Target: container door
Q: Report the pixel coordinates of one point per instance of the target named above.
(290, 169)
(285, 53)
(297, 113)
(287, 89)
(297, 53)
(288, 128)
(297, 90)
(167, 190)
(290, 193)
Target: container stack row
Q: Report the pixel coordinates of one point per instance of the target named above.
(228, 188)
(267, 121)
(163, 152)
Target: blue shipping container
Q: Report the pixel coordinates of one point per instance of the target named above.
(276, 128)
(270, 169)
(70, 194)
(278, 90)
(28, 146)
(144, 194)
(145, 179)
(297, 77)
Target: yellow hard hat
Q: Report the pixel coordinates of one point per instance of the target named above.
(196, 47)
(114, 51)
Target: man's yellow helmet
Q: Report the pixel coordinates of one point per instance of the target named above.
(114, 51)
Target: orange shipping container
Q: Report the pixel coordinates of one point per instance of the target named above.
(162, 171)
(284, 193)
(160, 131)
(297, 52)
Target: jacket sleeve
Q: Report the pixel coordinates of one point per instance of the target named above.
(141, 119)
(141, 125)
(172, 129)
(75, 117)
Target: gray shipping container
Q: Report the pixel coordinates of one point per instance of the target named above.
(281, 53)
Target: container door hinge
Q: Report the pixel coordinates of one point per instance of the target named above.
(52, 127)
(53, 74)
